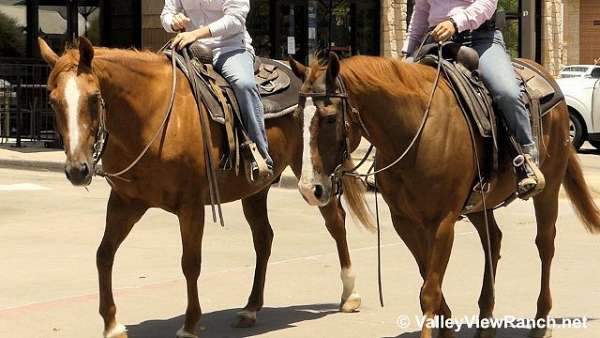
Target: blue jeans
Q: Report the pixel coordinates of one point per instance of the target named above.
(237, 67)
(500, 78)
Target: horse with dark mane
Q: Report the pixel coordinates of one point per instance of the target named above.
(128, 91)
(384, 100)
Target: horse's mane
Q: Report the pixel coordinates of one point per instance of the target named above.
(390, 75)
(127, 57)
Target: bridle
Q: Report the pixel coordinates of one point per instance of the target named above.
(102, 133)
(344, 153)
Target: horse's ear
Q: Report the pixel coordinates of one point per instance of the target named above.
(298, 68)
(86, 52)
(333, 67)
(47, 53)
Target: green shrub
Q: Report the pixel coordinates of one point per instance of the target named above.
(12, 37)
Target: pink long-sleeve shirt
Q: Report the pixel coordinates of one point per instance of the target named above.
(468, 15)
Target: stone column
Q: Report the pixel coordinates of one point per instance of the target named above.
(393, 26)
(554, 53)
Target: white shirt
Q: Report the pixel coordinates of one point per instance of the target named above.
(226, 20)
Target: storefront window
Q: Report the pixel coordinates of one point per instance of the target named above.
(301, 27)
(511, 29)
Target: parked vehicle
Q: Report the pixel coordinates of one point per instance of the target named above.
(581, 86)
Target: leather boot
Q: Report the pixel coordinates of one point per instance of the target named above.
(535, 182)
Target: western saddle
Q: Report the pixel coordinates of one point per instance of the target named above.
(278, 89)
(459, 66)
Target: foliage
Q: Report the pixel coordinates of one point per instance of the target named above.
(12, 38)
(94, 31)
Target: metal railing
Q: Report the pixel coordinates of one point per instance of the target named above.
(25, 112)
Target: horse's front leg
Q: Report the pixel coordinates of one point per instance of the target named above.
(191, 223)
(335, 218)
(121, 215)
(255, 211)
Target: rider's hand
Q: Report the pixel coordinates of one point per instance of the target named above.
(444, 31)
(183, 39)
(180, 22)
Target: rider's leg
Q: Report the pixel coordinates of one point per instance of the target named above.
(238, 68)
(500, 78)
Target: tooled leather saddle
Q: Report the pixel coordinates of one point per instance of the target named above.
(459, 66)
(277, 85)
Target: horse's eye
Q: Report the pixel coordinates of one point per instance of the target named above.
(331, 120)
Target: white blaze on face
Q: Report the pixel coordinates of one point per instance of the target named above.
(306, 184)
(72, 96)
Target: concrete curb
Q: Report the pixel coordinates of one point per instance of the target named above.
(32, 165)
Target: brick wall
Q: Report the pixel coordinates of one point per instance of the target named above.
(589, 31)
(393, 26)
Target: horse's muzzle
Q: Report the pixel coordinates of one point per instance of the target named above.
(79, 174)
(315, 194)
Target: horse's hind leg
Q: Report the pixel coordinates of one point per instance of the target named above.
(335, 217)
(255, 211)
(486, 299)
(121, 215)
(191, 223)
(418, 241)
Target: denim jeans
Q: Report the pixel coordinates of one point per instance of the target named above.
(237, 67)
(500, 78)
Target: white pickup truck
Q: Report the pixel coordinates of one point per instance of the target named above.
(581, 86)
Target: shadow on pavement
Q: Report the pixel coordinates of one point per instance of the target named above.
(218, 323)
(589, 151)
(28, 147)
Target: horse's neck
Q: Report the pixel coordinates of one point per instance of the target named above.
(388, 120)
(129, 88)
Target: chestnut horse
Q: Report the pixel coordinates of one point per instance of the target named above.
(135, 89)
(426, 192)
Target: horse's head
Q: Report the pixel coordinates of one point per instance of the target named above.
(322, 104)
(74, 93)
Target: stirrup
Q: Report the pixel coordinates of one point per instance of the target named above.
(255, 165)
(534, 183)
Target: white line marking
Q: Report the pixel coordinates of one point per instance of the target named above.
(22, 187)
(72, 96)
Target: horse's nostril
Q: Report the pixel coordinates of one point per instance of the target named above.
(318, 191)
(67, 174)
(85, 170)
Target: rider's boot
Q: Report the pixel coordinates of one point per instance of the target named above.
(534, 182)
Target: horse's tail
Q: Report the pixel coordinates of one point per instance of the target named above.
(354, 193)
(580, 195)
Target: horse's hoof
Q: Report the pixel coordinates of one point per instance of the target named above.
(351, 304)
(182, 333)
(540, 332)
(448, 333)
(119, 331)
(245, 319)
(485, 333)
